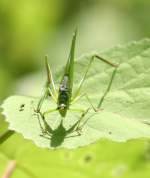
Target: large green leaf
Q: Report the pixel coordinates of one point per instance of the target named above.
(104, 159)
(125, 111)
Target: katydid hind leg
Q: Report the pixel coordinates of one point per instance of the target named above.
(77, 93)
(47, 90)
(111, 79)
(98, 108)
(105, 60)
(43, 128)
(107, 89)
(41, 100)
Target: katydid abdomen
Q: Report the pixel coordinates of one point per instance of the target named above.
(64, 96)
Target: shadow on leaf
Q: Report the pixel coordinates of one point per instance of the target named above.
(58, 135)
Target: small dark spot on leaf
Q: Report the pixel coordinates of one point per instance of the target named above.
(21, 107)
(109, 133)
(88, 158)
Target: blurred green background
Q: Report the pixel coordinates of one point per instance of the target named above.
(32, 28)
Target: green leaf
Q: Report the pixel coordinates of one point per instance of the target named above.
(125, 111)
(104, 159)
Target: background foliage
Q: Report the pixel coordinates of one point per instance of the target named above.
(30, 29)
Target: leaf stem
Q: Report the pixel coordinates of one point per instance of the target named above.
(9, 169)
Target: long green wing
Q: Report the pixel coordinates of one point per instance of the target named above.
(69, 69)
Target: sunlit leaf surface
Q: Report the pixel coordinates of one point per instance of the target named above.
(124, 113)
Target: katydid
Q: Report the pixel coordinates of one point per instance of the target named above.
(64, 97)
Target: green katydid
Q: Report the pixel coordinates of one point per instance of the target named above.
(64, 97)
